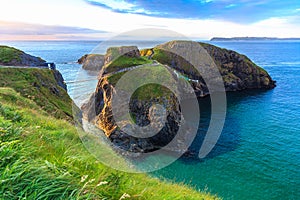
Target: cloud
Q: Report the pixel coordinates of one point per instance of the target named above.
(121, 6)
(242, 11)
(28, 31)
(231, 5)
(116, 5)
(17, 28)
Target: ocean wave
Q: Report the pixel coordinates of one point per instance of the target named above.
(290, 63)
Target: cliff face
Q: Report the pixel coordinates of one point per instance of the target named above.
(92, 62)
(237, 71)
(10, 56)
(59, 79)
(99, 111)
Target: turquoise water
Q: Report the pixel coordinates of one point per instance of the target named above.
(258, 153)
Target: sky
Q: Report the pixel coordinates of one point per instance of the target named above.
(103, 19)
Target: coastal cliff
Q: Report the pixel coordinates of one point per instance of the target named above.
(238, 73)
(10, 56)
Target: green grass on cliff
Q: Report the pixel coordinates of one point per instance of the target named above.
(7, 54)
(124, 62)
(161, 56)
(42, 156)
(145, 74)
(166, 57)
(40, 86)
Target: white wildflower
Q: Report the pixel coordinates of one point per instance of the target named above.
(83, 178)
(102, 183)
(124, 196)
(92, 180)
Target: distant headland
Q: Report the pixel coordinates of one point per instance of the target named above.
(252, 39)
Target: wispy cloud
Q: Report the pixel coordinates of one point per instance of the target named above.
(122, 6)
(231, 5)
(16, 28)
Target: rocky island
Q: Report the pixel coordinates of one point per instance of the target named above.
(237, 71)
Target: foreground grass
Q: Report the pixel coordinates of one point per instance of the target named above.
(42, 156)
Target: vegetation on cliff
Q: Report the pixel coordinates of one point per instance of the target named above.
(148, 91)
(10, 56)
(124, 62)
(41, 86)
(115, 59)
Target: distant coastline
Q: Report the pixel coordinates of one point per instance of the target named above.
(252, 39)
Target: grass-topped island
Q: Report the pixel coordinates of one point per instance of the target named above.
(165, 62)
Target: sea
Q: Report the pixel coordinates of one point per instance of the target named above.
(258, 153)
